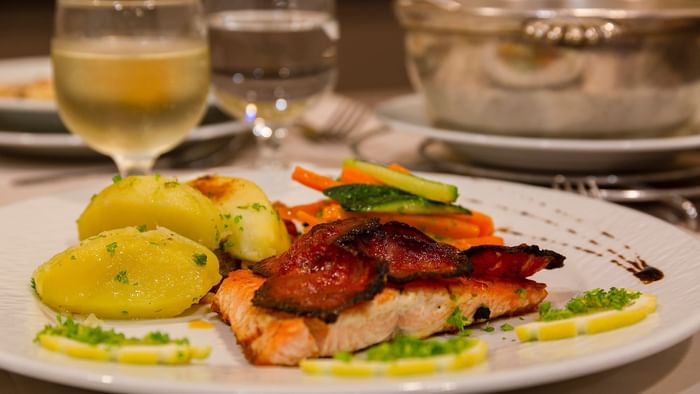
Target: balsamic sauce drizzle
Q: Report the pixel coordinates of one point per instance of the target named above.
(634, 265)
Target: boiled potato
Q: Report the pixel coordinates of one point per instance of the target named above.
(126, 273)
(253, 229)
(152, 201)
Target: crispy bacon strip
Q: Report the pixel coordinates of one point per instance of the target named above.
(341, 280)
(411, 254)
(511, 261)
(308, 250)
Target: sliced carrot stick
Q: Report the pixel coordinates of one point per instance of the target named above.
(312, 179)
(441, 227)
(466, 243)
(398, 167)
(312, 208)
(353, 175)
(284, 211)
(332, 212)
(306, 218)
(482, 220)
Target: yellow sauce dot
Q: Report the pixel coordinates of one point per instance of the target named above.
(200, 324)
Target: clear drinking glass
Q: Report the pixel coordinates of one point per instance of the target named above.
(271, 60)
(131, 76)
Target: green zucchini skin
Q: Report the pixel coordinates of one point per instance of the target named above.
(426, 188)
(386, 199)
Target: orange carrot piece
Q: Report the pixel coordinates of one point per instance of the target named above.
(306, 218)
(398, 167)
(441, 227)
(466, 243)
(332, 212)
(311, 208)
(482, 220)
(353, 175)
(313, 180)
(284, 211)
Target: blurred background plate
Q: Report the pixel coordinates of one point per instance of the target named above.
(51, 139)
(31, 125)
(20, 71)
(408, 114)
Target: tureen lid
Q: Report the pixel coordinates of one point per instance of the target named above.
(499, 15)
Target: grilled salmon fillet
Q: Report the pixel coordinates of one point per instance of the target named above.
(419, 308)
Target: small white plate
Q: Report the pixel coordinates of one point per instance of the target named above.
(590, 233)
(407, 113)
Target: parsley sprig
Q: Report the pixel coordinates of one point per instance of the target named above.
(595, 300)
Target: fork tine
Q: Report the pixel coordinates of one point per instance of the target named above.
(339, 124)
(582, 188)
(352, 121)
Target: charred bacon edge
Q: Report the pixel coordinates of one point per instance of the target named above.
(556, 260)
(369, 226)
(374, 286)
(462, 270)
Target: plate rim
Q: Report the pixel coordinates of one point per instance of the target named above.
(386, 111)
(556, 371)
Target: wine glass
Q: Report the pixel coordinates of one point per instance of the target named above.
(271, 60)
(131, 76)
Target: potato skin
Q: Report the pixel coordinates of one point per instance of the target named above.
(153, 201)
(253, 229)
(125, 273)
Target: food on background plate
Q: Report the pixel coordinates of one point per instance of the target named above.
(37, 89)
(253, 229)
(128, 273)
(326, 294)
(153, 201)
(593, 312)
(95, 343)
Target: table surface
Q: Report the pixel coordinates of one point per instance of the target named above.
(673, 370)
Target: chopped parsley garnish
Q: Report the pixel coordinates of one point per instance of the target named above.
(142, 228)
(595, 300)
(156, 176)
(122, 277)
(111, 248)
(237, 219)
(459, 321)
(33, 284)
(171, 184)
(343, 356)
(257, 206)
(116, 178)
(68, 328)
(199, 259)
(488, 329)
(411, 347)
(506, 327)
(520, 291)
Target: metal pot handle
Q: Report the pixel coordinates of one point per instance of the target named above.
(574, 32)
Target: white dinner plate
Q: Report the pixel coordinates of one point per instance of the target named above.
(408, 113)
(592, 234)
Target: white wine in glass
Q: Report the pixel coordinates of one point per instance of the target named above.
(130, 96)
(271, 60)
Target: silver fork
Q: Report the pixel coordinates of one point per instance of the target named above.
(673, 199)
(584, 186)
(348, 115)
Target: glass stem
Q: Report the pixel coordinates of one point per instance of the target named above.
(134, 166)
(269, 141)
